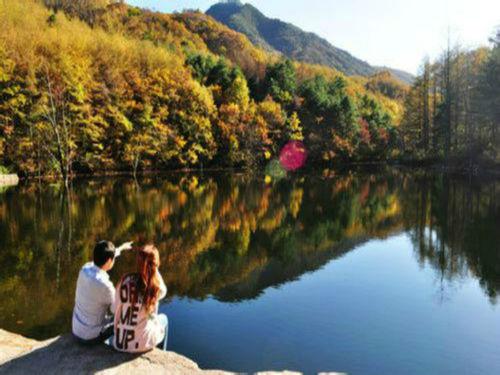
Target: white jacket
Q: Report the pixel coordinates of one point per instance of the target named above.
(136, 330)
(94, 299)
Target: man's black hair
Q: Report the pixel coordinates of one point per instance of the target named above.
(103, 251)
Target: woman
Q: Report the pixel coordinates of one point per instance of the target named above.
(138, 326)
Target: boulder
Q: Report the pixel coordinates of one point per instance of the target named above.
(8, 179)
(63, 355)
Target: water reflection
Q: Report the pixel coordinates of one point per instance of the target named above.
(232, 237)
(454, 226)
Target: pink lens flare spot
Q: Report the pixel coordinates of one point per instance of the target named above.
(293, 155)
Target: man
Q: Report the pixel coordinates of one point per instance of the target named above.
(95, 295)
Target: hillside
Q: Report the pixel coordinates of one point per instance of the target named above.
(291, 41)
(403, 76)
(133, 89)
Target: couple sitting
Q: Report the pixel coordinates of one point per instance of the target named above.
(137, 327)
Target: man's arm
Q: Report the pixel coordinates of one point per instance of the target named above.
(123, 247)
(109, 295)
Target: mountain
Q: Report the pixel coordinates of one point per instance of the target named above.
(399, 74)
(140, 90)
(291, 41)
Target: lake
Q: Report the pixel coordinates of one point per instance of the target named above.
(364, 272)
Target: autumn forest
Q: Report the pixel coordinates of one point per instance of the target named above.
(97, 85)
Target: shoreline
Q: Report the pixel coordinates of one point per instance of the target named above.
(63, 355)
(457, 167)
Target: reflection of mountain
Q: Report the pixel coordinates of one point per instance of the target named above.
(276, 272)
(232, 237)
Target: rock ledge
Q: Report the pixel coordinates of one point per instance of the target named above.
(63, 355)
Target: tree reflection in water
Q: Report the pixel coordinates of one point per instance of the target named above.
(231, 237)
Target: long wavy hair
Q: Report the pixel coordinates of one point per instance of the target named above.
(148, 284)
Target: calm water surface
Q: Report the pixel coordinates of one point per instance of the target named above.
(366, 273)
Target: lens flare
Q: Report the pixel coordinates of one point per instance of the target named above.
(293, 156)
(275, 170)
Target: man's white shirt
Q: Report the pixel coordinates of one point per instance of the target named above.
(94, 299)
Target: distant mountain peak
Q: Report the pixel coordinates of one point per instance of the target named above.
(279, 36)
(231, 2)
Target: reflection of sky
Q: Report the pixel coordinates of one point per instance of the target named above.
(383, 32)
(372, 311)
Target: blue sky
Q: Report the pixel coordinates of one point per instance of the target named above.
(396, 33)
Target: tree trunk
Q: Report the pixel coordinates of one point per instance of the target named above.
(426, 119)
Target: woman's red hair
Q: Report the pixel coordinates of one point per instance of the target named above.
(148, 284)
